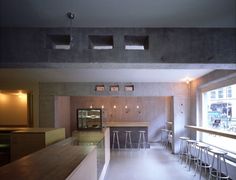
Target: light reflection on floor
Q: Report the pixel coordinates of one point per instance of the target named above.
(156, 163)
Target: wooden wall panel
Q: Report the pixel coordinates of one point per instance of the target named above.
(62, 113)
(155, 110)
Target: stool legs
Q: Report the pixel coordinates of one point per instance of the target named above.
(217, 156)
(115, 138)
(203, 159)
(128, 137)
(191, 152)
(142, 139)
(182, 148)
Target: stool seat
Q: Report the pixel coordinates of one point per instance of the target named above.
(217, 151)
(184, 138)
(201, 145)
(191, 141)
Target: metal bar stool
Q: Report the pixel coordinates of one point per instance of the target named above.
(164, 137)
(128, 139)
(142, 139)
(217, 173)
(191, 152)
(182, 148)
(115, 137)
(202, 158)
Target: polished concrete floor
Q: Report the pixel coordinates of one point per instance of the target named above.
(156, 163)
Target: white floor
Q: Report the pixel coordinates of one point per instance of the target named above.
(151, 164)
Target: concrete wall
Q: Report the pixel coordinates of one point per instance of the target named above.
(62, 113)
(179, 92)
(21, 47)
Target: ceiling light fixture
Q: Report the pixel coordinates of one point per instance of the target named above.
(71, 17)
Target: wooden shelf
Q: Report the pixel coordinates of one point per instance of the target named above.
(212, 131)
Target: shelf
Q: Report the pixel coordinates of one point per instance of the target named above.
(212, 131)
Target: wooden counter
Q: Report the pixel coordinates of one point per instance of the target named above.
(11, 129)
(126, 124)
(213, 131)
(57, 161)
(28, 140)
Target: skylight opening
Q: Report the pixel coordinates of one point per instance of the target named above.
(136, 42)
(101, 42)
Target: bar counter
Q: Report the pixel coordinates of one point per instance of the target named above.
(121, 127)
(126, 124)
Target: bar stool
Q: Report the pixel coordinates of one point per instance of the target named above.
(142, 139)
(182, 148)
(170, 137)
(191, 152)
(115, 137)
(202, 158)
(217, 173)
(128, 139)
(164, 137)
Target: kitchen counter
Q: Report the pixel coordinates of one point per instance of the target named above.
(57, 161)
(24, 141)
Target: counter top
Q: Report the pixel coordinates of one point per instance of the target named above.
(27, 130)
(213, 131)
(53, 162)
(10, 129)
(126, 124)
(37, 130)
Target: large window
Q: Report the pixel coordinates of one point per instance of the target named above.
(219, 112)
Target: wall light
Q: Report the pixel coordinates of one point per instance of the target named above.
(114, 106)
(90, 106)
(102, 106)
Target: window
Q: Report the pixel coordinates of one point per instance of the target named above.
(229, 92)
(220, 93)
(213, 94)
(219, 112)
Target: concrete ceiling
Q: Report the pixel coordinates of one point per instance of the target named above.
(100, 75)
(118, 13)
